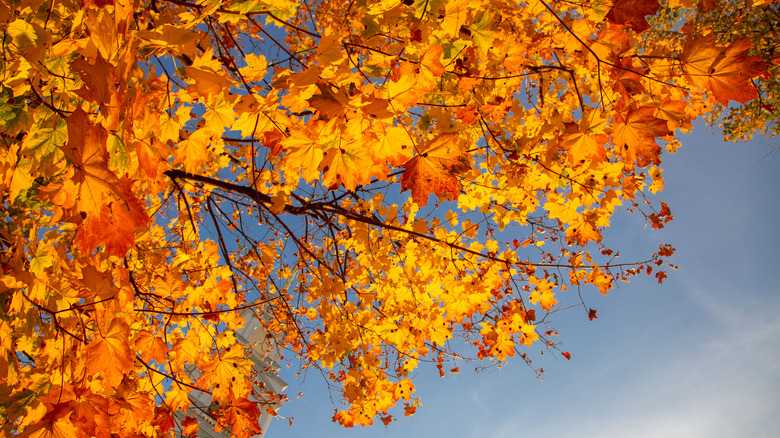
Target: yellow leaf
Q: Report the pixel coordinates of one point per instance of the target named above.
(304, 153)
(256, 67)
(227, 373)
(22, 177)
(193, 150)
(31, 40)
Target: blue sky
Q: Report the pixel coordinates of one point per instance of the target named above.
(698, 356)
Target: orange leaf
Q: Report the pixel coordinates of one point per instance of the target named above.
(242, 415)
(673, 111)
(585, 141)
(96, 79)
(109, 353)
(91, 413)
(394, 146)
(634, 133)
(86, 150)
(206, 82)
(725, 71)
(331, 102)
(55, 424)
(403, 390)
(435, 170)
(97, 284)
(190, 426)
(114, 226)
(193, 149)
(151, 346)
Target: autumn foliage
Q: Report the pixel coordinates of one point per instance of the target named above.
(385, 183)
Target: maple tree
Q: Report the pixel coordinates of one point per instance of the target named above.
(379, 180)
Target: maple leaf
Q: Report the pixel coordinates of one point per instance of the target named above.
(193, 149)
(612, 42)
(456, 13)
(674, 113)
(55, 424)
(133, 404)
(241, 415)
(226, 374)
(404, 390)
(177, 398)
(86, 151)
(329, 102)
(633, 13)
(586, 140)
(634, 133)
(91, 414)
(431, 67)
(256, 68)
(207, 83)
(401, 90)
(436, 169)
(582, 146)
(628, 78)
(97, 78)
(190, 426)
(725, 71)
(97, 283)
(601, 280)
(114, 224)
(304, 151)
(163, 419)
(393, 147)
(349, 165)
(543, 294)
(30, 39)
(150, 346)
(176, 39)
(109, 353)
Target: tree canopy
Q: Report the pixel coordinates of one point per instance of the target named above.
(385, 183)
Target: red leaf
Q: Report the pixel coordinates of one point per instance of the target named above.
(633, 13)
(592, 314)
(566, 355)
(190, 426)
